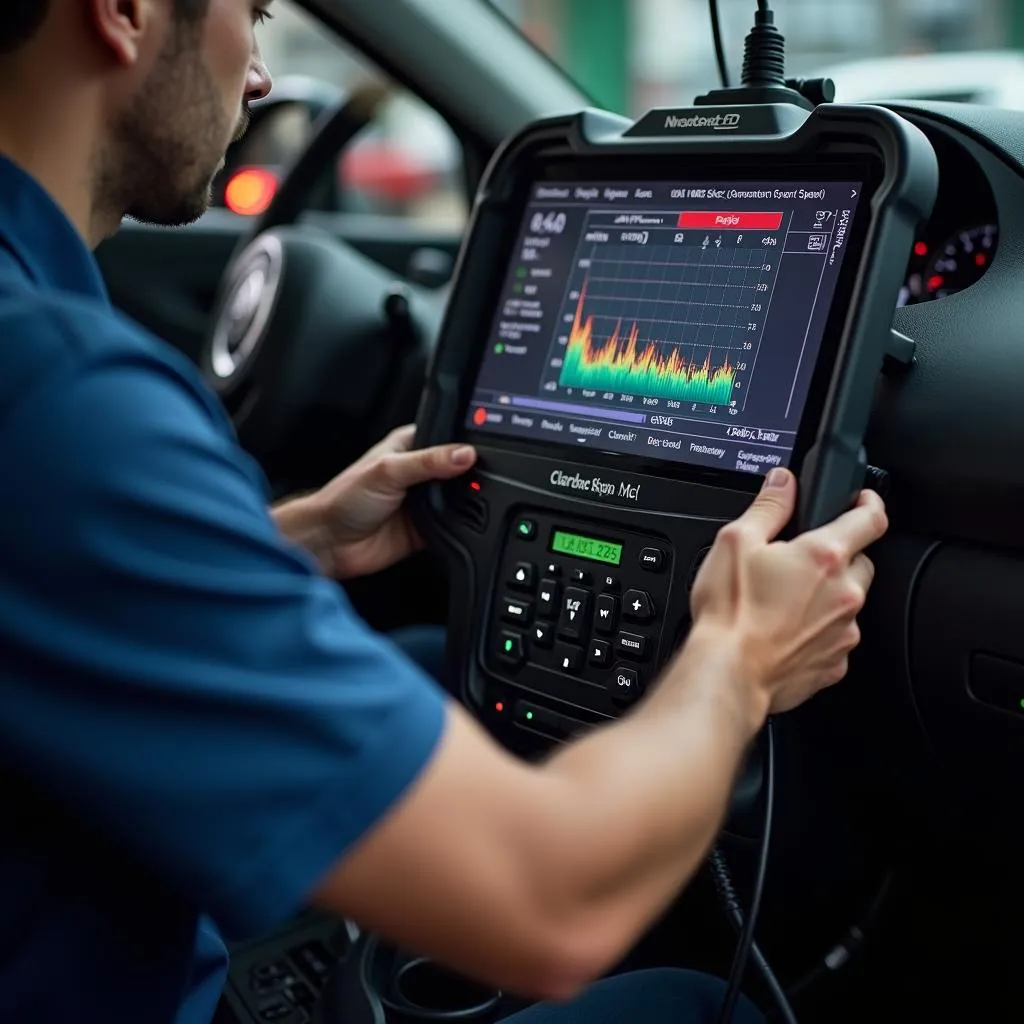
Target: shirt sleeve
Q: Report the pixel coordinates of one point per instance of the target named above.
(176, 674)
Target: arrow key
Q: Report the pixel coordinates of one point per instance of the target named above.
(547, 599)
(568, 658)
(523, 576)
(572, 623)
(542, 634)
(606, 611)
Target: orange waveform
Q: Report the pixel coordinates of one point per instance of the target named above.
(623, 354)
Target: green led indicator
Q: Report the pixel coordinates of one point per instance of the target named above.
(521, 272)
(518, 289)
(529, 716)
(508, 646)
(499, 348)
(1022, 702)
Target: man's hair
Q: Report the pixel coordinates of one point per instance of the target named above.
(20, 20)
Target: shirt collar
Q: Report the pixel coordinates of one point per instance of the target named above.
(37, 232)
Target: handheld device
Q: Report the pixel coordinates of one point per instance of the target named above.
(646, 317)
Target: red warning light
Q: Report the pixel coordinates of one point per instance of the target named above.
(499, 707)
(480, 417)
(474, 485)
(980, 259)
(935, 282)
(920, 248)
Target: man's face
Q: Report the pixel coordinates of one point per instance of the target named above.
(169, 138)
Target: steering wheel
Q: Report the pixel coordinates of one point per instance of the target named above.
(314, 348)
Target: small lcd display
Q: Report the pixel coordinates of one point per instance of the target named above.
(589, 548)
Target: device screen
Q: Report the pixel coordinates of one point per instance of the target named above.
(677, 321)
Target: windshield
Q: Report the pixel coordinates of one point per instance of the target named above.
(631, 55)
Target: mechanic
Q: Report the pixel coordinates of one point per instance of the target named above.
(196, 726)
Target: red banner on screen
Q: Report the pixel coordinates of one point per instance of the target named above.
(722, 220)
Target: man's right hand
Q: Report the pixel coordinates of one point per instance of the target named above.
(788, 609)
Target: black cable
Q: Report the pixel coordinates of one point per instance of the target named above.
(716, 33)
(844, 951)
(746, 941)
(764, 53)
(723, 883)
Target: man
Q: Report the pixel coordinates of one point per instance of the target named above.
(196, 727)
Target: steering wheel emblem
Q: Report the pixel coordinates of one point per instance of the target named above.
(246, 308)
(244, 305)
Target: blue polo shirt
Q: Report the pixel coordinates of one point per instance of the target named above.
(194, 724)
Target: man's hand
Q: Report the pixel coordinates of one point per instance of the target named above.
(788, 610)
(357, 524)
(570, 861)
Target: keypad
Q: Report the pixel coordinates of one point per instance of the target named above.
(572, 628)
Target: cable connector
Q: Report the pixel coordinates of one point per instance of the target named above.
(764, 53)
(763, 80)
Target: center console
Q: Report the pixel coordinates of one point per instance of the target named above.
(646, 318)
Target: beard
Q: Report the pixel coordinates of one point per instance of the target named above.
(168, 145)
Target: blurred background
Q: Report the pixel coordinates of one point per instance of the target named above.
(635, 54)
(631, 55)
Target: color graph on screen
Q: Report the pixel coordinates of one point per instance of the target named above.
(621, 362)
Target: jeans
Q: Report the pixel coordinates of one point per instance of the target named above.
(659, 996)
(663, 995)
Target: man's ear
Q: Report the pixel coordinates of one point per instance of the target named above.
(122, 26)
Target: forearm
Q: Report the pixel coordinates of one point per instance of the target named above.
(539, 877)
(644, 799)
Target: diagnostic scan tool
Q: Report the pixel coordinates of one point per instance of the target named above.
(646, 318)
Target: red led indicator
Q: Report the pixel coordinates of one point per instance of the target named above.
(474, 485)
(935, 282)
(980, 259)
(480, 417)
(921, 249)
(499, 707)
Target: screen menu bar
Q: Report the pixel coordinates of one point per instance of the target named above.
(652, 435)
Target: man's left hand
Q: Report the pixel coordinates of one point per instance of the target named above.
(358, 524)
